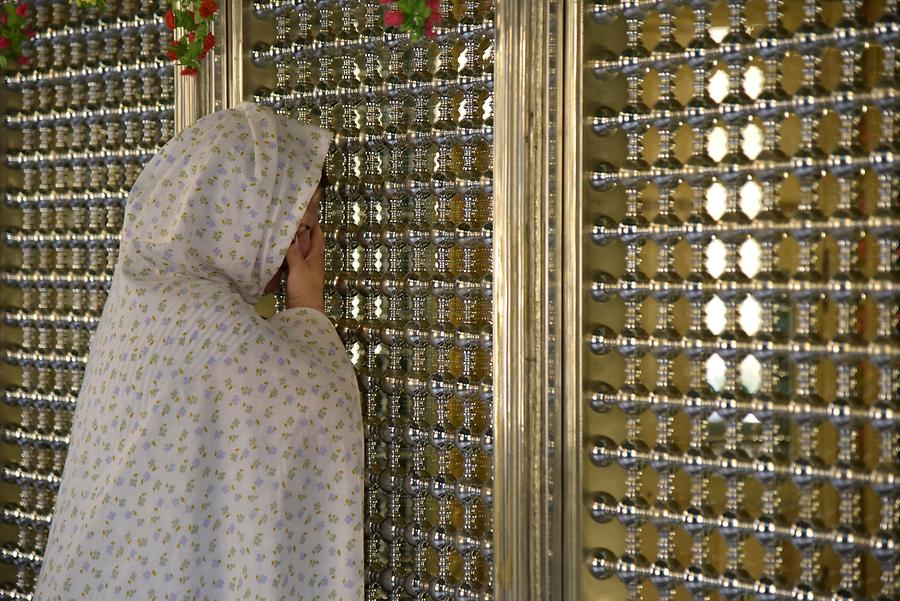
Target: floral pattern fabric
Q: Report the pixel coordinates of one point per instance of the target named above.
(214, 455)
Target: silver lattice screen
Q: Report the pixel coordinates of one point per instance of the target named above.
(408, 221)
(92, 109)
(743, 367)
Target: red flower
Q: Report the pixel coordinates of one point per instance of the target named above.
(394, 18)
(22, 10)
(23, 60)
(387, 1)
(192, 35)
(208, 8)
(28, 33)
(189, 71)
(171, 54)
(434, 18)
(4, 43)
(209, 42)
(434, 5)
(170, 19)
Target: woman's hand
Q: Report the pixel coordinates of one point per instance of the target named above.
(306, 274)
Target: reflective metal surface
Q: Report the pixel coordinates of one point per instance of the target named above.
(740, 354)
(408, 220)
(84, 119)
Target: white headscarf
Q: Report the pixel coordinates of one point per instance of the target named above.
(214, 454)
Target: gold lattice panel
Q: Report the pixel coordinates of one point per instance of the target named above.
(91, 110)
(742, 366)
(408, 221)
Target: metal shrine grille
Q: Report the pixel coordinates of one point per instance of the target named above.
(408, 224)
(94, 107)
(742, 251)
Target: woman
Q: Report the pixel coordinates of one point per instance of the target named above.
(215, 454)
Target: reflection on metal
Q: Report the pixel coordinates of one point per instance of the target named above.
(220, 82)
(527, 518)
(230, 36)
(408, 218)
(95, 105)
(190, 102)
(733, 424)
(722, 246)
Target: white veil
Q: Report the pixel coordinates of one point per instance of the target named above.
(214, 454)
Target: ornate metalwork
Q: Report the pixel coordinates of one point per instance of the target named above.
(741, 376)
(408, 220)
(94, 107)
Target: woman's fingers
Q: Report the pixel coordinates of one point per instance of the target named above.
(294, 256)
(306, 275)
(316, 243)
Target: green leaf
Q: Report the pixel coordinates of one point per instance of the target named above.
(4, 62)
(183, 19)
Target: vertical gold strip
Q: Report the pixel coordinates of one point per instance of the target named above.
(571, 234)
(219, 84)
(526, 523)
(187, 95)
(230, 38)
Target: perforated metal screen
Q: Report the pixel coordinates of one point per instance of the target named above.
(741, 370)
(93, 107)
(408, 221)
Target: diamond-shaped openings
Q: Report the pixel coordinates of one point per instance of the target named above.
(749, 255)
(718, 86)
(750, 315)
(753, 81)
(716, 258)
(716, 372)
(750, 374)
(715, 315)
(751, 198)
(717, 143)
(716, 197)
(752, 140)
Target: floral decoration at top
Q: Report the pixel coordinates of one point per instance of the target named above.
(417, 17)
(196, 18)
(14, 31)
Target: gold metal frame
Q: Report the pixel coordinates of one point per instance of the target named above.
(527, 500)
(220, 83)
(572, 336)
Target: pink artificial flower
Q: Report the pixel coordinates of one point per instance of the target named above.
(22, 10)
(28, 33)
(434, 5)
(387, 1)
(23, 60)
(4, 43)
(394, 18)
